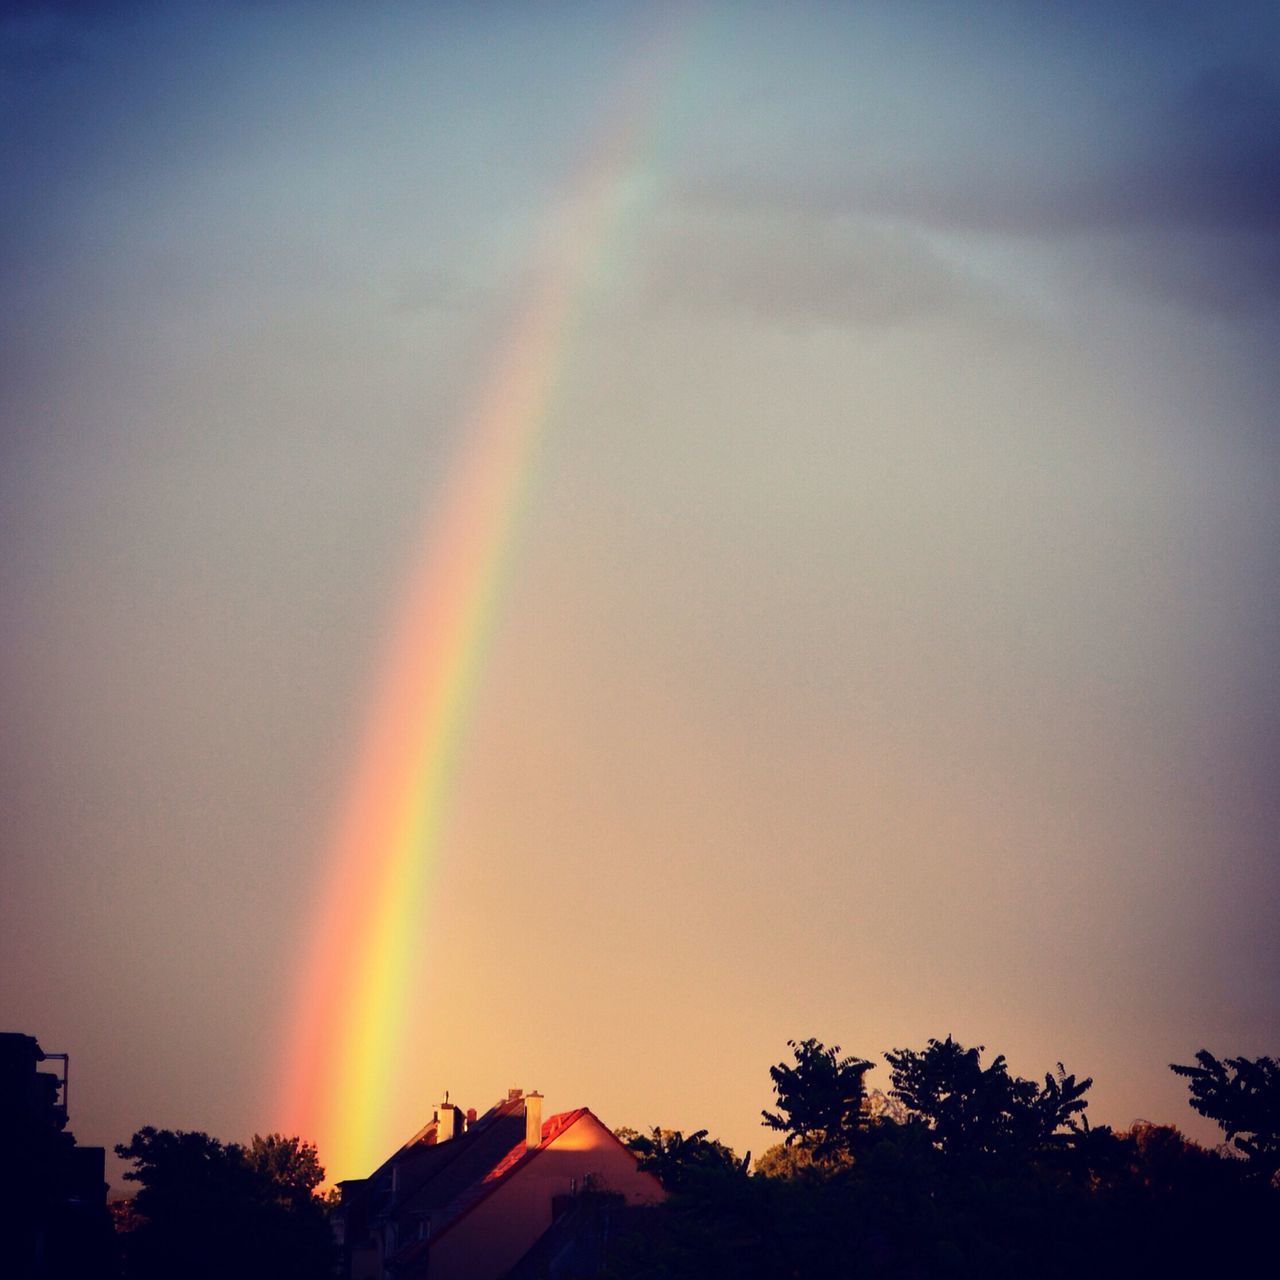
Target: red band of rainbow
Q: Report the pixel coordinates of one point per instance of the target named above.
(360, 973)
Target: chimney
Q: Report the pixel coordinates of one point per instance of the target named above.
(471, 1117)
(532, 1121)
(447, 1117)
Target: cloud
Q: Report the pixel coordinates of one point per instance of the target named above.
(1185, 180)
(799, 269)
(1207, 158)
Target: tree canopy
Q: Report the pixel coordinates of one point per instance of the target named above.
(676, 1160)
(207, 1210)
(289, 1165)
(973, 1111)
(965, 1170)
(821, 1098)
(1243, 1096)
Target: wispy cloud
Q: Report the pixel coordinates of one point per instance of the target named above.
(795, 267)
(1181, 197)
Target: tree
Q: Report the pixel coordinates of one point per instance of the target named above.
(974, 1111)
(209, 1210)
(676, 1160)
(1243, 1096)
(821, 1099)
(192, 1206)
(966, 1171)
(289, 1165)
(1056, 1107)
(782, 1161)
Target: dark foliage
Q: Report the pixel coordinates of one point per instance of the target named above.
(981, 1174)
(974, 1112)
(1243, 1096)
(678, 1161)
(821, 1099)
(211, 1211)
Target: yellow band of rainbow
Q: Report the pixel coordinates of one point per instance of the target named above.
(359, 976)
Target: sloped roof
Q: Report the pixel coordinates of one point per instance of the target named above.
(518, 1156)
(429, 1176)
(422, 1157)
(449, 1194)
(424, 1174)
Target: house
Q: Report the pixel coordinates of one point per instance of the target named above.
(466, 1197)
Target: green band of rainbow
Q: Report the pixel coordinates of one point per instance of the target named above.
(360, 974)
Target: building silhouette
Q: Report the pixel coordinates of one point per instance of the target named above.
(53, 1193)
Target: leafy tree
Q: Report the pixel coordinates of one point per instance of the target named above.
(1243, 1096)
(1059, 1103)
(209, 1210)
(1159, 1161)
(676, 1160)
(192, 1206)
(966, 1106)
(289, 1165)
(782, 1161)
(974, 1111)
(821, 1099)
(1148, 1203)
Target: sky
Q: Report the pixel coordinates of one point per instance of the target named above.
(879, 636)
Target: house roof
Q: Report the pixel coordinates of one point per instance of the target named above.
(430, 1173)
(422, 1157)
(449, 1195)
(437, 1184)
(517, 1157)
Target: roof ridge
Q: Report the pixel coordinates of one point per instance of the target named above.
(516, 1158)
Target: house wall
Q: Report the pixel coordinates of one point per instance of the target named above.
(366, 1263)
(495, 1234)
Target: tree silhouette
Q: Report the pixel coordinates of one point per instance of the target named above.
(1243, 1096)
(1058, 1104)
(973, 1173)
(974, 1111)
(821, 1099)
(676, 1160)
(209, 1210)
(289, 1165)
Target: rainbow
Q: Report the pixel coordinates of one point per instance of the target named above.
(361, 968)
